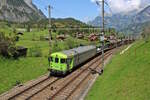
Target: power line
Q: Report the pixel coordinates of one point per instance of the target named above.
(108, 7)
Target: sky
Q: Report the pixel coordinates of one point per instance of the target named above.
(86, 10)
(83, 10)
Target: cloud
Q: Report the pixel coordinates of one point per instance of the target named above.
(124, 5)
(119, 6)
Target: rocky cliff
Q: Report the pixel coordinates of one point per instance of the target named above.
(19, 11)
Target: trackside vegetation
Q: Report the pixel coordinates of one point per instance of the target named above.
(126, 77)
(21, 70)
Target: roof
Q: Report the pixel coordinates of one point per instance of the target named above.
(58, 54)
(73, 52)
(78, 50)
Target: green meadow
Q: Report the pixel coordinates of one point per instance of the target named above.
(126, 77)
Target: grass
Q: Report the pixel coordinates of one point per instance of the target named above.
(126, 77)
(21, 70)
(24, 69)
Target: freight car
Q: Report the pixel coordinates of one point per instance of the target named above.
(63, 62)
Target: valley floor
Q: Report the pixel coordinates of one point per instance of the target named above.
(36, 63)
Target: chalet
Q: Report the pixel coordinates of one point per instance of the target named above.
(61, 37)
(93, 37)
(79, 35)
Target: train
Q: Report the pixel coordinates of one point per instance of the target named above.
(65, 61)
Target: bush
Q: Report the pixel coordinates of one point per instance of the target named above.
(28, 28)
(7, 46)
(57, 46)
(71, 43)
(35, 52)
(42, 38)
(146, 33)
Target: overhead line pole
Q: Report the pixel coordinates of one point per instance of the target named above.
(50, 35)
(103, 32)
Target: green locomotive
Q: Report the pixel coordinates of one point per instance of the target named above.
(63, 62)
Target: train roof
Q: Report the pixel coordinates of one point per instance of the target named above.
(78, 50)
(59, 55)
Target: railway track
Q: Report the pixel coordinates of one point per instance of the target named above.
(53, 88)
(27, 92)
(63, 90)
(35, 89)
(73, 84)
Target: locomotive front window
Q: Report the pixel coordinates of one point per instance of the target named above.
(56, 60)
(63, 61)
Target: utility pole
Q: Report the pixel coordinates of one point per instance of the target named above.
(50, 35)
(103, 32)
(50, 30)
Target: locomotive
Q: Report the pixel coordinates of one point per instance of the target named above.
(63, 62)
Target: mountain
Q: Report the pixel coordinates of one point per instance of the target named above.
(61, 23)
(143, 16)
(19, 11)
(129, 22)
(115, 21)
(68, 22)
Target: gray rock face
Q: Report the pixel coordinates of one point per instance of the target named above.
(19, 11)
(143, 16)
(30, 4)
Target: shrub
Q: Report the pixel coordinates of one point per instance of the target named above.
(56, 47)
(7, 46)
(28, 28)
(35, 52)
(42, 38)
(146, 33)
(71, 43)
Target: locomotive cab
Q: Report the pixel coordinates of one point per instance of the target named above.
(59, 64)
